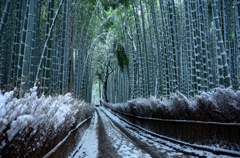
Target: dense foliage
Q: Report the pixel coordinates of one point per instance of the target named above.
(122, 58)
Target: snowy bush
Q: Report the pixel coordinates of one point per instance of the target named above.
(219, 105)
(31, 123)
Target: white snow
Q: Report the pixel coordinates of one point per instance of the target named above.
(168, 147)
(20, 123)
(121, 143)
(225, 103)
(31, 114)
(3, 99)
(88, 146)
(60, 143)
(59, 112)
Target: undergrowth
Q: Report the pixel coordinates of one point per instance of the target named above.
(219, 105)
(32, 125)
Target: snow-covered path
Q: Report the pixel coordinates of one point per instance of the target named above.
(123, 145)
(149, 147)
(88, 146)
(110, 137)
(105, 138)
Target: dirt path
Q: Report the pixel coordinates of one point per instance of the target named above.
(105, 148)
(106, 138)
(123, 145)
(88, 146)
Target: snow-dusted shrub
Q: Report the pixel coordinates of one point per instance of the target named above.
(30, 124)
(220, 105)
(180, 107)
(159, 107)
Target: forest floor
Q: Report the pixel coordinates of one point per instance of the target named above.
(107, 138)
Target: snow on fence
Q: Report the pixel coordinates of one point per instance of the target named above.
(209, 119)
(65, 139)
(223, 135)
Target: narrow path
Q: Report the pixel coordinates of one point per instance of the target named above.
(110, 137)
(107, 138)
(104, 140)
(124, 146)
(88, 146)
(105, 148)
(153, 152)
(153, 148)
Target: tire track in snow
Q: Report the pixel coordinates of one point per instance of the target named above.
(105, 138)
(105, 148)
(154, 149)
(125, 146)
(88, 146)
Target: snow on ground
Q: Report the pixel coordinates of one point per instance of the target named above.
(122, 143)
(88, 146)
(42, 117)
(161, 148)
(163, 145)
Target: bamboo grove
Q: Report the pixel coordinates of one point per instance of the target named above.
(188, 46)
(44, 42)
